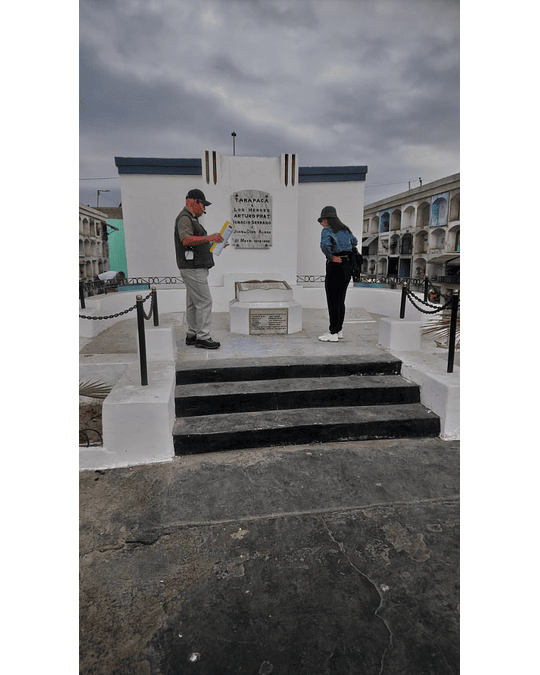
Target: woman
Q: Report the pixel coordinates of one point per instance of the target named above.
(337, 242)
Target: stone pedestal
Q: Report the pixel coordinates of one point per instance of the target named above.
(400, 335)
(264, 308)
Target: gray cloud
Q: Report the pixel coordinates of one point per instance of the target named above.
(371, 82)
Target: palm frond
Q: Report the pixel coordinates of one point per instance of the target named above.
(94, 389)
(439, 329)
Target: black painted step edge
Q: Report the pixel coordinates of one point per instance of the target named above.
(272, 371)
(361, 431)
(317, 398)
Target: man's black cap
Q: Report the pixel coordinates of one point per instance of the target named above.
(198, 194)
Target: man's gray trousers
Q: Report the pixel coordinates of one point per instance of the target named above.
(198, 302)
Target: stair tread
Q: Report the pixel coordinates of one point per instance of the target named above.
(297, 417)
(284, 361)
(277, 367)
(287, 385)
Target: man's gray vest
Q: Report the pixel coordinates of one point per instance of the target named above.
(201, 253)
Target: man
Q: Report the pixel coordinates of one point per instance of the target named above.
(109, 277)
(194, 259)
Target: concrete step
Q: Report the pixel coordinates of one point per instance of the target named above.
(272, 368)
(212, 398)
(235, 431)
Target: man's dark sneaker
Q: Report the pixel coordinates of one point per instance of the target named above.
(191, 339)
(207, 344)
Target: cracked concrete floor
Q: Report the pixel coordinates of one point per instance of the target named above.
(310, 559)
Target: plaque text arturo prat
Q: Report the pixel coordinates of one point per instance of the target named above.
(251, 213)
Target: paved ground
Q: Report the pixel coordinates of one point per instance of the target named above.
(118, 344)
(324, 558)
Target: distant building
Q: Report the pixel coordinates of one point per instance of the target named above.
(415, 233)
(93, 243)
(116, 240)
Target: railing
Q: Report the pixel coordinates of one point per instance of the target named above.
(452, 304)
(103, 287)
(141, 316)
(387, 279)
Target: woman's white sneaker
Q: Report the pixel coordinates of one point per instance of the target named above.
(328, 337)
(340, 335)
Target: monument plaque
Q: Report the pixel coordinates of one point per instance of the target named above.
(268, 321)
(251, 213)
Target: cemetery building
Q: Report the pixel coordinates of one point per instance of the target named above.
(93, 243)
(415, 233)
(272, 202)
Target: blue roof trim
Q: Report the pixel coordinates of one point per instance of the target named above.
(331, 174)
(159, 166)
(193, 167)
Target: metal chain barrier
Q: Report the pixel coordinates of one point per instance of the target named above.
(114, 316)
(150, 313)
(435, 310)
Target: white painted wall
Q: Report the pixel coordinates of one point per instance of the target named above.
(254, 173)
(151, 203)
(348, 199)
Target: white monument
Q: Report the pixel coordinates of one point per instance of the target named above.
(272, 202)
(264, 307)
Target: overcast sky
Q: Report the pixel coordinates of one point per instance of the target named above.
(339, 82)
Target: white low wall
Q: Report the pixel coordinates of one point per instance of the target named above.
(439, 390)
(138, 420)
(383, 301)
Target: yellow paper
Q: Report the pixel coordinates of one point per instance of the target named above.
(225, 232)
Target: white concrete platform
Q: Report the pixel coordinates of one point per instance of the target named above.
(439, 390)
(131, 410)
(137, 420)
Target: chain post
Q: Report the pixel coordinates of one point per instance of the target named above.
(452, 336)
(142, 341)
(426, 288)
(154, 305)
(403, 300)
(81, 295)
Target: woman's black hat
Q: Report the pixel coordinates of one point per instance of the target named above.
(328, 212)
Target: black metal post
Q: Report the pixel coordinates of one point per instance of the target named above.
(403, 300)
(142, 341)
(452, 337)
(426, 288)
(81, 295)
(154, 303)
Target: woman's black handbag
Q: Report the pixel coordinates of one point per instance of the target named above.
(355, 261)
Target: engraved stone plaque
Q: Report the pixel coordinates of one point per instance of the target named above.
(251, 214)
(268, 321)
